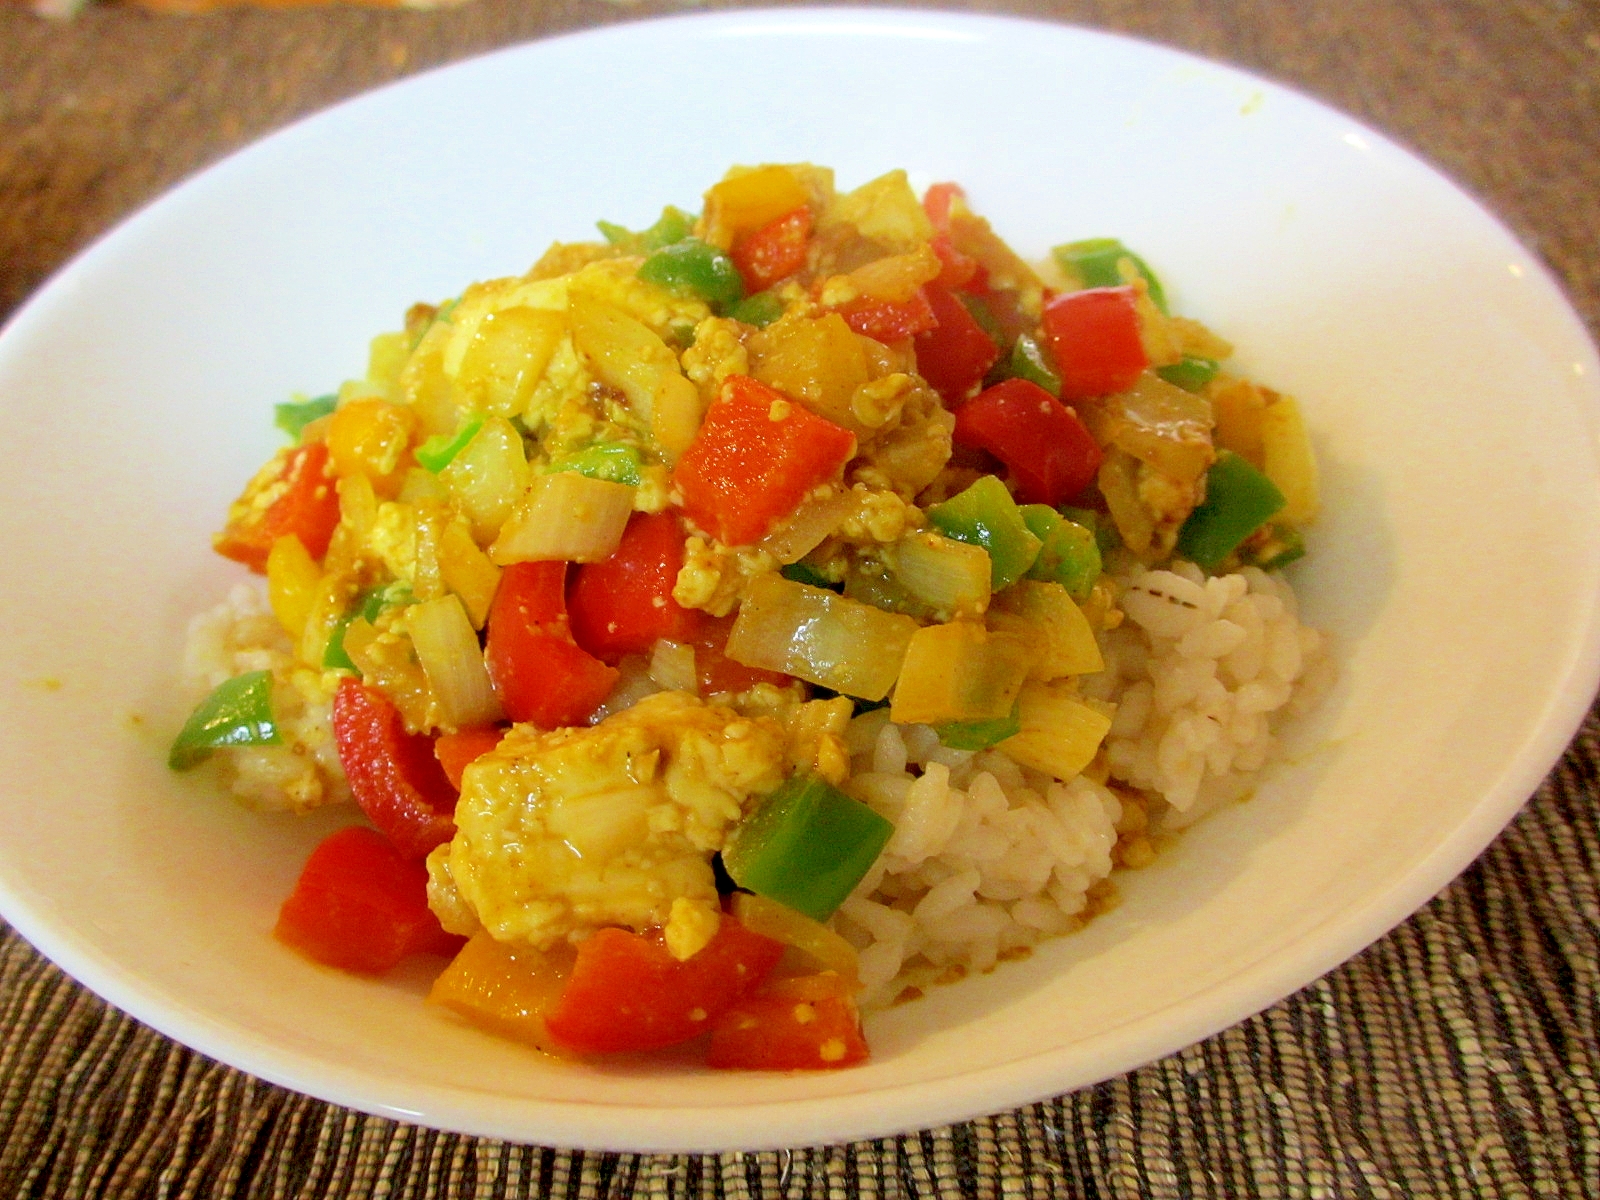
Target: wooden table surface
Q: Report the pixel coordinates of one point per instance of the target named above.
(101, 113)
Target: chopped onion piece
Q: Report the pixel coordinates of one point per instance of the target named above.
(565, 517)
(447, 647)
(819, 636)
(812, 522)
(825, 948)
(952, 576)
(1160, 424)
(672, 666)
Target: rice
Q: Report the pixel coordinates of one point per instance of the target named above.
(989, 858)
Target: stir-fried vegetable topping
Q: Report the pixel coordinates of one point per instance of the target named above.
(580, 594)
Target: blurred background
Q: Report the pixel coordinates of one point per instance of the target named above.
(105, 105)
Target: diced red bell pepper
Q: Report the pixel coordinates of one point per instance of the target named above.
(1052, 456)
(806, 1023)
(715, 671)
(956, 356)
(459, 750)
(393, 775)
(889, 320)
(540, 674)
(627, 992)
(623, 604)
(936, 202)
(1094, 339)
(775, 251)
(295, 493)
(361, 905)
(754, 459)
(957, 270)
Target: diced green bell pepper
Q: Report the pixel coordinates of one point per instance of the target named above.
(673, 225)
(614, 462)
(237, 713)
(293, 417)
(697, 268)
(1095, 261)
(374, 602)
(369, 606)
(437, 452)
(804, 572)
(1069, 554)
(334, 656)
(1031, 361)
(1272, 547)
(978, 309)
(1239, 500)
(806, 845)
(986, 515)
(979, 735)
(759, 310)
(1104, 529)
(1191, 373)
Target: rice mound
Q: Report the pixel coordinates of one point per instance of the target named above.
(988, 858)
(1199, 670)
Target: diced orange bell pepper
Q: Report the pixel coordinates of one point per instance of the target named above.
(807, 1022)
(936, 202)
(372, 437)
(890, 320)
(754, 459)
(507, 990)
(459, 750)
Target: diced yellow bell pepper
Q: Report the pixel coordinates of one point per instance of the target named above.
(292, 579)
(370, 437)
(745, 202)
(1237, 405)
(467, 570)
(1287, 460)
(1055, 629)
(1060, 732)
(959, 671)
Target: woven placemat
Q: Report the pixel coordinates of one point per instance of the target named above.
(1456, 1057)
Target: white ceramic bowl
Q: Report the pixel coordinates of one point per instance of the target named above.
(1452, 394)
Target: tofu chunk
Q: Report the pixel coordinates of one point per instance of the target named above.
(561, 833)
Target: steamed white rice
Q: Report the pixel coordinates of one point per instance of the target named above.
(988, 858)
